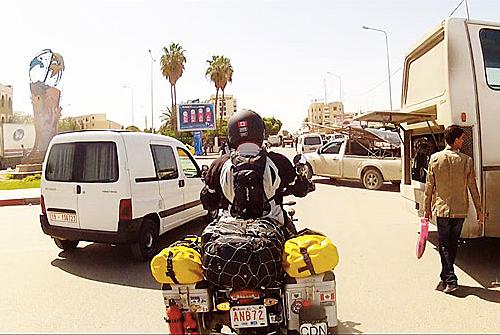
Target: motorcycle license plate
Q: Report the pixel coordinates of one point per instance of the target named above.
(313, 328)
(248, 316)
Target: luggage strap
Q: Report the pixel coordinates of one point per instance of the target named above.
(307, 259)
(170, 268)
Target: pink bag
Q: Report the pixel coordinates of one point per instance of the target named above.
(422, 237)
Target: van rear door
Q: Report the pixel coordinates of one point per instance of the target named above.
(485, 43)
(58, 186)
(102, 182)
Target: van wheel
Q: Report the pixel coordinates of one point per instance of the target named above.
(145, 247)
(66, 245)
(372, 179)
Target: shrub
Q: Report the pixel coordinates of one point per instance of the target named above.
(32, 178)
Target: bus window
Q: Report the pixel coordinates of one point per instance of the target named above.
(490, 44)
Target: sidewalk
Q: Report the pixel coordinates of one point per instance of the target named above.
(19, 197)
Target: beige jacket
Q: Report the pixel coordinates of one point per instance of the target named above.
(450, 174)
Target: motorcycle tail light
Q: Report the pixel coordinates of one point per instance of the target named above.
(223, 306)
(245, 296)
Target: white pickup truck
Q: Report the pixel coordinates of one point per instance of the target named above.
(368, 155)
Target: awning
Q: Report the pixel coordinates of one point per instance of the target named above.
(395, 117)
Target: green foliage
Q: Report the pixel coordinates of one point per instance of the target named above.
(272, 125)
(21, 118)
(8, 177)
(68, 124)
(133, 128)
(19, 184)
(32, 178)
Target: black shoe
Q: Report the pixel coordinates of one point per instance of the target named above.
(441, 286)
(450, 288)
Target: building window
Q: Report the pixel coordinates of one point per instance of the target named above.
(3, 101)
(334, 108)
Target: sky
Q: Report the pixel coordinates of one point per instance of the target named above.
(281, 51)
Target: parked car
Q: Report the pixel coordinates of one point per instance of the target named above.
(372, 158)
(274, 140)
(118, 187)
(309, 143)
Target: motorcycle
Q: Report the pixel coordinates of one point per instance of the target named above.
(294, 306)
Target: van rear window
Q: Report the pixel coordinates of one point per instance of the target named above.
(312, 140)
(84, 162)
(490, 44)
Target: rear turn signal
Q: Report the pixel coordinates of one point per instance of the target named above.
(42, 204)
(126, 210)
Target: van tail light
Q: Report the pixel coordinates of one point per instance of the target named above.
(126, 210)
(42, 204)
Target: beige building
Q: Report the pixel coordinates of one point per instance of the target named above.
(96, 121)
(5, 103)
(330, 114)
(229, 109)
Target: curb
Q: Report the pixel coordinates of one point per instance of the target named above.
(19, 202)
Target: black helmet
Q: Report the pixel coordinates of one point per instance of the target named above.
(245, 126)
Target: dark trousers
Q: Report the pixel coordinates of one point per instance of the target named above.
(449, 230)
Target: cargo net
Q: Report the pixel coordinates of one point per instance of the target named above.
(242, 253)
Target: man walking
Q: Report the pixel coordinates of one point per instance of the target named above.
(450, 175)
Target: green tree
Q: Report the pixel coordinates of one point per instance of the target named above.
(272, 125)
(133, 128)
(167, 119)
(220, 72)
(172, 67)
(67, 124)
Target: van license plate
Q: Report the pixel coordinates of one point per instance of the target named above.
(248, 316)
(63, 217)
(313, 329)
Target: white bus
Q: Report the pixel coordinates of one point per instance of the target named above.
(452, 76)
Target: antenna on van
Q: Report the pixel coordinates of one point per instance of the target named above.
(458, 6)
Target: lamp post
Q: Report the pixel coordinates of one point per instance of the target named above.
(132, 101)
(152, 61)
(388, 64)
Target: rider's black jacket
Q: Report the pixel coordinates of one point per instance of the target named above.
(213, 198)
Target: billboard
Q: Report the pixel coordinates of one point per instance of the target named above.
(194, 117)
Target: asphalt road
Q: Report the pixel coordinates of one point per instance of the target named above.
(381, 286)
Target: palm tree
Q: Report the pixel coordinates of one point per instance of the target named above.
(172, 66)
(167, 118)
(220, 72)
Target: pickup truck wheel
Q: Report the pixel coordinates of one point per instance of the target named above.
(309, 170)
(145, 247)
(66, 245)
(372, 179)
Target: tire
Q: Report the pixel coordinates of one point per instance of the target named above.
(309, 171)
(66, 245)
(372, 179)
(145, 247)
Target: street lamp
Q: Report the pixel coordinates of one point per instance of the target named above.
(388, 64)
(152, 60)
(132, 101)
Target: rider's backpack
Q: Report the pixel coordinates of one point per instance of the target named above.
(250, 199)
(241, 253)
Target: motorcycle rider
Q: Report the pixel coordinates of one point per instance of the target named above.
(246, 135)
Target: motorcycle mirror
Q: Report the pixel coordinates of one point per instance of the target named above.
(299, 159)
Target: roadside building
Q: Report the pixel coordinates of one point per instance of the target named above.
(5, 103)
(228, 109)
(322, 114)
(96, 121)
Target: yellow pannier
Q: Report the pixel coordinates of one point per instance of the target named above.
(308, 254)
(180, 263)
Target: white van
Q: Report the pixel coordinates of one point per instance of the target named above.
(309, 143)
(117, 187)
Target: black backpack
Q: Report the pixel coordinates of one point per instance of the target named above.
(250, 200)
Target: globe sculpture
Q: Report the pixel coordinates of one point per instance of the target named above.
(45, 74)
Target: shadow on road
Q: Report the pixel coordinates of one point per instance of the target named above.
(349, 327)
(387, 187)
(479, 259)
(114, 264)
